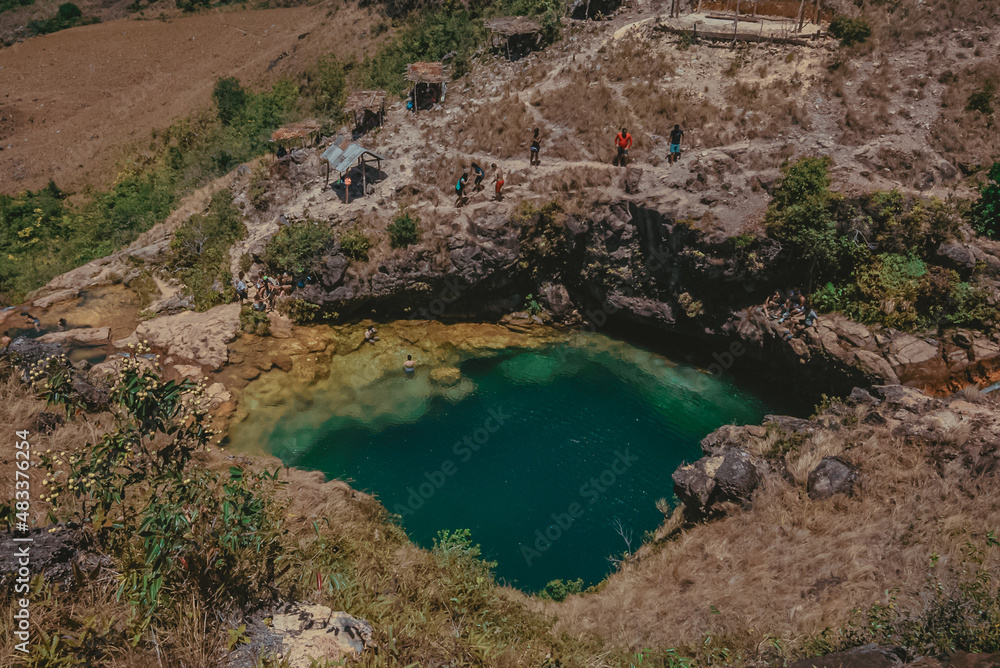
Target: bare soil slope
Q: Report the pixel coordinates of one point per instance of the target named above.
(72, 101)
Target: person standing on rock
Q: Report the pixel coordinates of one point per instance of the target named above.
(477, 185)
(623, 142)
(460, 189)
(676, 135)
(241, 288)
(536, 149)
(497, 179)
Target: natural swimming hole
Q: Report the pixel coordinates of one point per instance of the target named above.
(554, 457)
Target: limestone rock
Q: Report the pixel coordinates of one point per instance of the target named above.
(188, 371)
(56, 297)
(316, 633)
(446, 376)
(87, 335)
(217, 394)
(908, 350)
(832, 476)
(200, 337)
(901, 396)
(867, 656)
(729, 476)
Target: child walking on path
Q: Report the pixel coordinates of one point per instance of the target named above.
(497, 179)
(536, 149)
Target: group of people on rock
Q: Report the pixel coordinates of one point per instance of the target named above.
(477, 184)
(792, 308)
(623, 142)
(264, 293)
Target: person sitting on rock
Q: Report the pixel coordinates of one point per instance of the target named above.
(258, 305)
(371, 335)
(241, 288)
(800, 325)
(772, 305)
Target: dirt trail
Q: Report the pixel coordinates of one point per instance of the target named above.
(75, 101)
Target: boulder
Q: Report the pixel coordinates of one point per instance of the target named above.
(908, 350)
(861, 396)
(901, 396)
(217, 394)
(446, 376)
(85, 335)
(56, 297)
(188, 371)
(200, 337)
(47, 423)
(94, 396)
(832, 476)
(28, 352)
(556, 299)
(729, 476)
(867, 656)
(315, 633)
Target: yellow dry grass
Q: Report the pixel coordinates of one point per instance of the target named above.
(791, 567)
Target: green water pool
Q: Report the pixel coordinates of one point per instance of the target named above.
(548, 456)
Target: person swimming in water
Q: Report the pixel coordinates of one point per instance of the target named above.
(409, 366)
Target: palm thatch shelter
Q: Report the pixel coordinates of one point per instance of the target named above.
(519, 31)
(366, 108)
(430, 83)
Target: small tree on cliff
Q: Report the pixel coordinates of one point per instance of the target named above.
(802, 217)
(985, 213)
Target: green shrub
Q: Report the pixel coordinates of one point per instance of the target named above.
(300, 311)
(325, 86)
(200, 251)
(850, 31)
(254, 322)
(230, 98)
(298, 248)
(801, 216)
(6, 5)
(355, 244)
(985, 212)
(404, 230)
(67, 16)
(558, 590)
(981, 99)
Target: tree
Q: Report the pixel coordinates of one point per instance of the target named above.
(229, 98)
(985, 212)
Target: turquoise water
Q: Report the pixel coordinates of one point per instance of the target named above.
(548, 457)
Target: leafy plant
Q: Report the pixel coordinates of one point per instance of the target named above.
(355, 244)
(298, 247)
(230, 99)
(200, 251)
(985, 212)
(558, 590)
(404, 230)
(254, 321)
(850, 31)
(981, 99)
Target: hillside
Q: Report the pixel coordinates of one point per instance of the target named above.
(80, 105)
(857, 175)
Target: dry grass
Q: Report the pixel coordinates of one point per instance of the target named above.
(790, 567)
(968, 137)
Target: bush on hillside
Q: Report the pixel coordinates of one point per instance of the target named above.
(6, 5)
(229, 98)
(981, 99)
(404, 230)
(298, 248)
(355, 244)
(801, 215)
(985, 211)
(850, 31)
(67, 16)
(326, 87)
(200, 251)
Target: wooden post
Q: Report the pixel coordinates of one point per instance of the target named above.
(802, 14)
(364, 176)
(328, 173)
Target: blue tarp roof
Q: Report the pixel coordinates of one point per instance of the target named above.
(343, 153)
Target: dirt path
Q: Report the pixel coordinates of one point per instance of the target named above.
(75, 101)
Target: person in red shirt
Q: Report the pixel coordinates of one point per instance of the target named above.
(623, 140)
